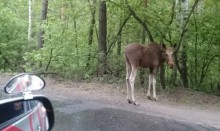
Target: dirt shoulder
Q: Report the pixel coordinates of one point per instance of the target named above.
(116, 92)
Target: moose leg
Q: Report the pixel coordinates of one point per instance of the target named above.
(132, 80)
(149, 85)
(154, 87)
(128, 74)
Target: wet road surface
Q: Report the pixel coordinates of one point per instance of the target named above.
(79, 115)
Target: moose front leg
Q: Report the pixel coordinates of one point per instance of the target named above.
(154, 87)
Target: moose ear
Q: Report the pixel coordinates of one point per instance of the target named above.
(174, 45)
(163, 45)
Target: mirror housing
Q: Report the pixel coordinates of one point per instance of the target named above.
(23, 83)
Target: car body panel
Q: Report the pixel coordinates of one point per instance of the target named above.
(33, 120)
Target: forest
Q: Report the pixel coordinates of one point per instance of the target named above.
(85, 39)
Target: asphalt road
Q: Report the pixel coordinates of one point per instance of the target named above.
(78, 109)
(89, 115)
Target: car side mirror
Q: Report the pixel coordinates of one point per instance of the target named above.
(24, 83)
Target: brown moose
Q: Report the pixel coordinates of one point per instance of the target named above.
(150, 56)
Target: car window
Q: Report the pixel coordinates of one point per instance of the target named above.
(33, 104)
(9, 111)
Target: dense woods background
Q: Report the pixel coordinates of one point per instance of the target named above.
(85, 39)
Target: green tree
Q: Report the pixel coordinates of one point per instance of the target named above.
(102, 62)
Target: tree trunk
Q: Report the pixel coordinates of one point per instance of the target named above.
(162, 76)
(91, 28)
(196, 55)
(102, 60)
(62, 12)
(118, 53)
(76, 42)
(119, 35)
(185, 17)
(142, 71)
(183, 51)
(43, 18)
(29, 19)
(162, 68)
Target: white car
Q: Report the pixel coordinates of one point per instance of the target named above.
(26, 112)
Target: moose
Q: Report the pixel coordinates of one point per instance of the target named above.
(151, 56)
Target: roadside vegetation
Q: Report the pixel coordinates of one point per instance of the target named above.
(85, 39)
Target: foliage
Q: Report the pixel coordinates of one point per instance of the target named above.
(66, 51)
(13, 43)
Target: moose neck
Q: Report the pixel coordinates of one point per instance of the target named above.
(152, 56)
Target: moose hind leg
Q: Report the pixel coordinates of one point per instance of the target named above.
(132, 80)
(149, 86)
(128, 84)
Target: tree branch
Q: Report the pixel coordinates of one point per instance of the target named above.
(205, 68)
(185, 25)
(48, 64)
(172, 13)
(119, 32)
(140, 21)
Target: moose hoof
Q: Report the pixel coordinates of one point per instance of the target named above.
(154, 99)
(132, 102)
(129, 101)
(136, 104)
